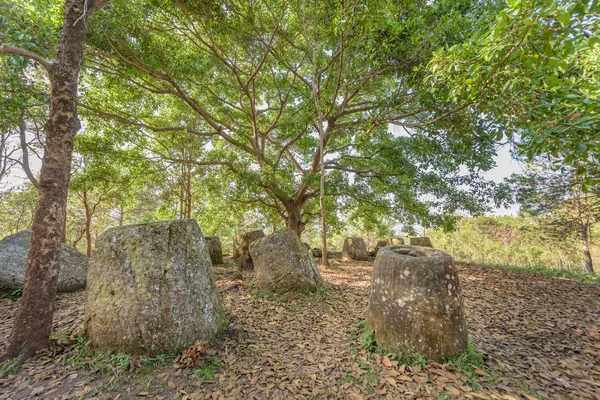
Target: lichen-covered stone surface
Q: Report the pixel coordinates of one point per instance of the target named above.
(14, 250)
(215, 249)
(241, 244)
(282, 263)
(151, 289)
(421, 241)
(416, 303)
(380, 244)
(355, 249)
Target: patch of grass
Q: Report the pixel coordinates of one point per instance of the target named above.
(6, 293)
(469, 360)
(347, 379)
(581, 276)
(208, 369)
(407, 357)
(117, 363)
(526, 389)
(368, 340)
(11, 366)
(60, 335)
(403, 356)
(320, 291)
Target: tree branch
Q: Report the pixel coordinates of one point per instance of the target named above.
(6, 49)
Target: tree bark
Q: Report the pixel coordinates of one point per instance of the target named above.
(33, 323)
(587, 256)
(25, 152)
(324, 256)
(294, 218)
(88, 224)
(583, 220)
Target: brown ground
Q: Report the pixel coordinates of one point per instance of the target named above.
(540, 337)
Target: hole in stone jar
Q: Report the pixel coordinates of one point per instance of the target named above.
(407, 251)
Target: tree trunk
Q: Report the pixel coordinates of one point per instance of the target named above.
(121, 214)
(33, 323)
(88, 225)
(324, 256)
(294, 218)
(583, 220)
(587, 256)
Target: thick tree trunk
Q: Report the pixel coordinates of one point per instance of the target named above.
(294, 218)
(33, 323)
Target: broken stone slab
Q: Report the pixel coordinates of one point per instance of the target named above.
(355, 249)
(282, 263)
(241, 244)
(421, 241)
(151, 289)
(14, 250)
(215, 249)
(416, 304)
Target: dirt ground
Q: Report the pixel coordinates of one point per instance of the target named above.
(539, 336)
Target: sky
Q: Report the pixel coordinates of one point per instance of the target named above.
(505, 167)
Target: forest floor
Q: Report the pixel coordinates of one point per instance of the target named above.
(539, 337)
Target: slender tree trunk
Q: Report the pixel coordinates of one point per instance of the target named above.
(324, 256)
(25, 152)
(583, 220)
(33, 323)
(78, 239)
(587, 256)
(121, 214)
(88, 225)
(63, 236)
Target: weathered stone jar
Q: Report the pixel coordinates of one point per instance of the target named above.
(282, 263)
(215, 249)
(151, 289)
(355, 249)
(241, 245)
(14, 250)
(421, 241)
(416, 304)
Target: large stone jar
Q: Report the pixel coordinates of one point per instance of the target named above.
(355, 249)
(241, 245)
(416, 304)
(282, 263)
(14, 250)
(151, 289)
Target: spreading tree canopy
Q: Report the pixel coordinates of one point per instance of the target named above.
(258, 83)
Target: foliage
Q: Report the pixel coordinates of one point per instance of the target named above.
(518, 241)
(208, 369)
(469, 360)
(300, 69)
(6, 293)
(16, 210)
(536, 71)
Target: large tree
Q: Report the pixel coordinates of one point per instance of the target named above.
(33, 323)
(266, 84)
